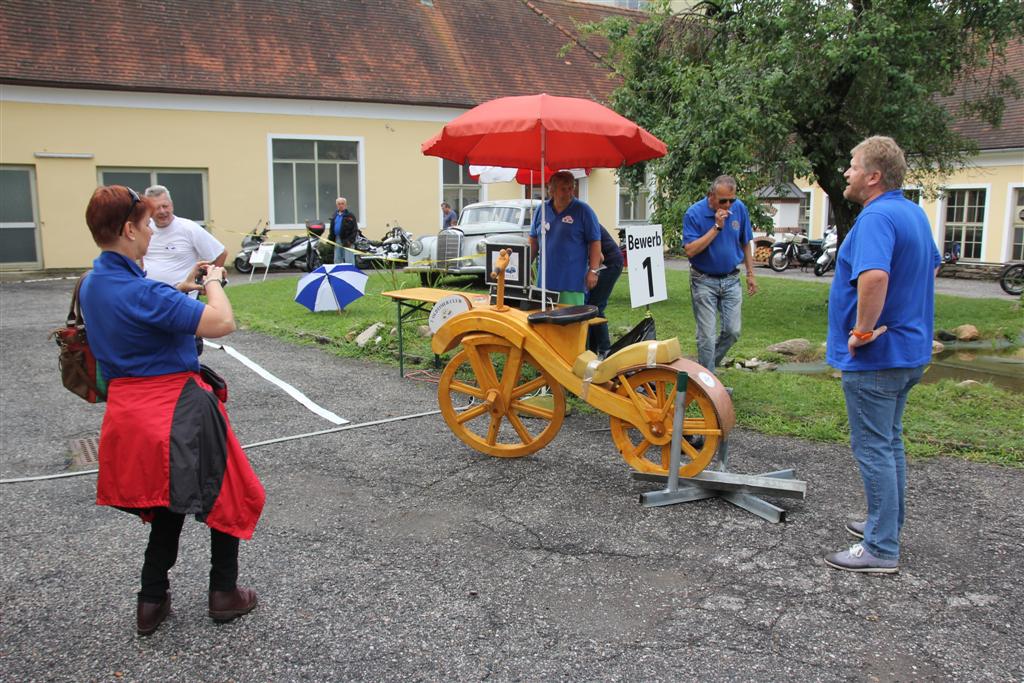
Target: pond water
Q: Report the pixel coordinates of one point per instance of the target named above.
(1001, 364)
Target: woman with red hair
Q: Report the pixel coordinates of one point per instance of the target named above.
(166, 447)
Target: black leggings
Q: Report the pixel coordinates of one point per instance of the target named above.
(162, 553)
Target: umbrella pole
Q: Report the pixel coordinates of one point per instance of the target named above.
(543, 229)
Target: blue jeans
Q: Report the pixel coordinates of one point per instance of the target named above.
(715, 297)
(875, 400)
(343, 255)
(597, 337)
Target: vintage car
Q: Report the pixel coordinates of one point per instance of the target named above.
(460, 250)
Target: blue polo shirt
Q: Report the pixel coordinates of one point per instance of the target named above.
(137, 327)
(727, 250)
(891, 234)
(568, 245)
(610, 249)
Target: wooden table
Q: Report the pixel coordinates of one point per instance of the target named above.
(422, 299)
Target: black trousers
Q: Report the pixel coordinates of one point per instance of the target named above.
(162, 553)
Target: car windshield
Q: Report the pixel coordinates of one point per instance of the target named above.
(491, 214)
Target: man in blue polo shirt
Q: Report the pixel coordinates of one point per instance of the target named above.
(716, 238)
(572, 243)
(880, 320)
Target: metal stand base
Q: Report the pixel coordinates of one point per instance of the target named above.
(718, 482)
(735, 488)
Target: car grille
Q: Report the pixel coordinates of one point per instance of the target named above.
(449, 248)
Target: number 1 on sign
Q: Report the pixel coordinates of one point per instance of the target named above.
(650, 276)
(645, 254)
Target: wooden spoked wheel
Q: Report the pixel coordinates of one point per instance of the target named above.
(509, 416)
(653, 392)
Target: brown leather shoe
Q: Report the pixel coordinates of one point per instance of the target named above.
(226, 605)
(149, 615)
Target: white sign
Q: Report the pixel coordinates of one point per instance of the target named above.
(263, 255)
(645, 253)
(444, 309)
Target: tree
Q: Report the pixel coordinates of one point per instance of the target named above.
(770, 90)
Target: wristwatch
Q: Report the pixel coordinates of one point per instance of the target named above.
(718, 228)
(595, 271)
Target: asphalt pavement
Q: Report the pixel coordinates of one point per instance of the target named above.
(390, 551)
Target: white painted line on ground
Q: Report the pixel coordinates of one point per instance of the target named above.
(288, 388)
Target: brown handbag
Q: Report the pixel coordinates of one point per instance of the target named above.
(79, 371)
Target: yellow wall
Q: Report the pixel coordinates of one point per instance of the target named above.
(999, 173)
(399, 183)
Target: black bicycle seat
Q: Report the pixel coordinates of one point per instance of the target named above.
(563, 316)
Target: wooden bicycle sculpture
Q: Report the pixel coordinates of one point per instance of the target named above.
(516, 366)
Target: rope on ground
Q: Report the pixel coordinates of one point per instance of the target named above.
(257, 444)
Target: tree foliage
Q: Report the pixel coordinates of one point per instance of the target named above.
(770, 90)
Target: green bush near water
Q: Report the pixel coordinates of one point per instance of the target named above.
(980, 423)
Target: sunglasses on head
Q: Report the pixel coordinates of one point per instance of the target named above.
(135, 200)
(722, 202)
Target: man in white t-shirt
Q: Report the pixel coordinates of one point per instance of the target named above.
(177, 243)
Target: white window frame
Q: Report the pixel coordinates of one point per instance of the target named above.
(153, 171)
(364, 210)
(35, 224)
(810, 211)
(650, 182)
(1011, 191)
(440, 192)
(939, 233)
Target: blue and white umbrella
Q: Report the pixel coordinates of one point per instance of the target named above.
(331, 287)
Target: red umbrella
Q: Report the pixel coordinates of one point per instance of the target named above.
(541, 132)
(569, 132)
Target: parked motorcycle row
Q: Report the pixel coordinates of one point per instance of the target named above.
(303, 252)
(797, 250)
(300, 252)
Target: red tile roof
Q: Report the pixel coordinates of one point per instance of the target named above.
(444, 52)
(1010, 133)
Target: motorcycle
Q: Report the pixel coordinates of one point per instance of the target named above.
(1011, 279)
(794, 250)
(827, 260)
(301, 252)
(390, 252)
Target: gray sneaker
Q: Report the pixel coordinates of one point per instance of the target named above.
(855, 529)
(858, 559)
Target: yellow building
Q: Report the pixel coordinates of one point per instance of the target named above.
(257, 117)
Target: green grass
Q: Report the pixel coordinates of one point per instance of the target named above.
(982, 423)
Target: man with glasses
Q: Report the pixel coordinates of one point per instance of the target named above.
(178, 244)
(717, 237)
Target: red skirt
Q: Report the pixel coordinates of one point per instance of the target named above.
(166, 442)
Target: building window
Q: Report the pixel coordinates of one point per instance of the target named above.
(803, 220)
(459, 189)
(965, 222)
(1017, 240)
(634, 207)
(187, 188)
(913, 195)
(310, 175)
(18, 236)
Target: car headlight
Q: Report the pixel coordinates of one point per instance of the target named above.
(481, 247)
(416, 247)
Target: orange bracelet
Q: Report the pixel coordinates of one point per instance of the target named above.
(862, 335)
